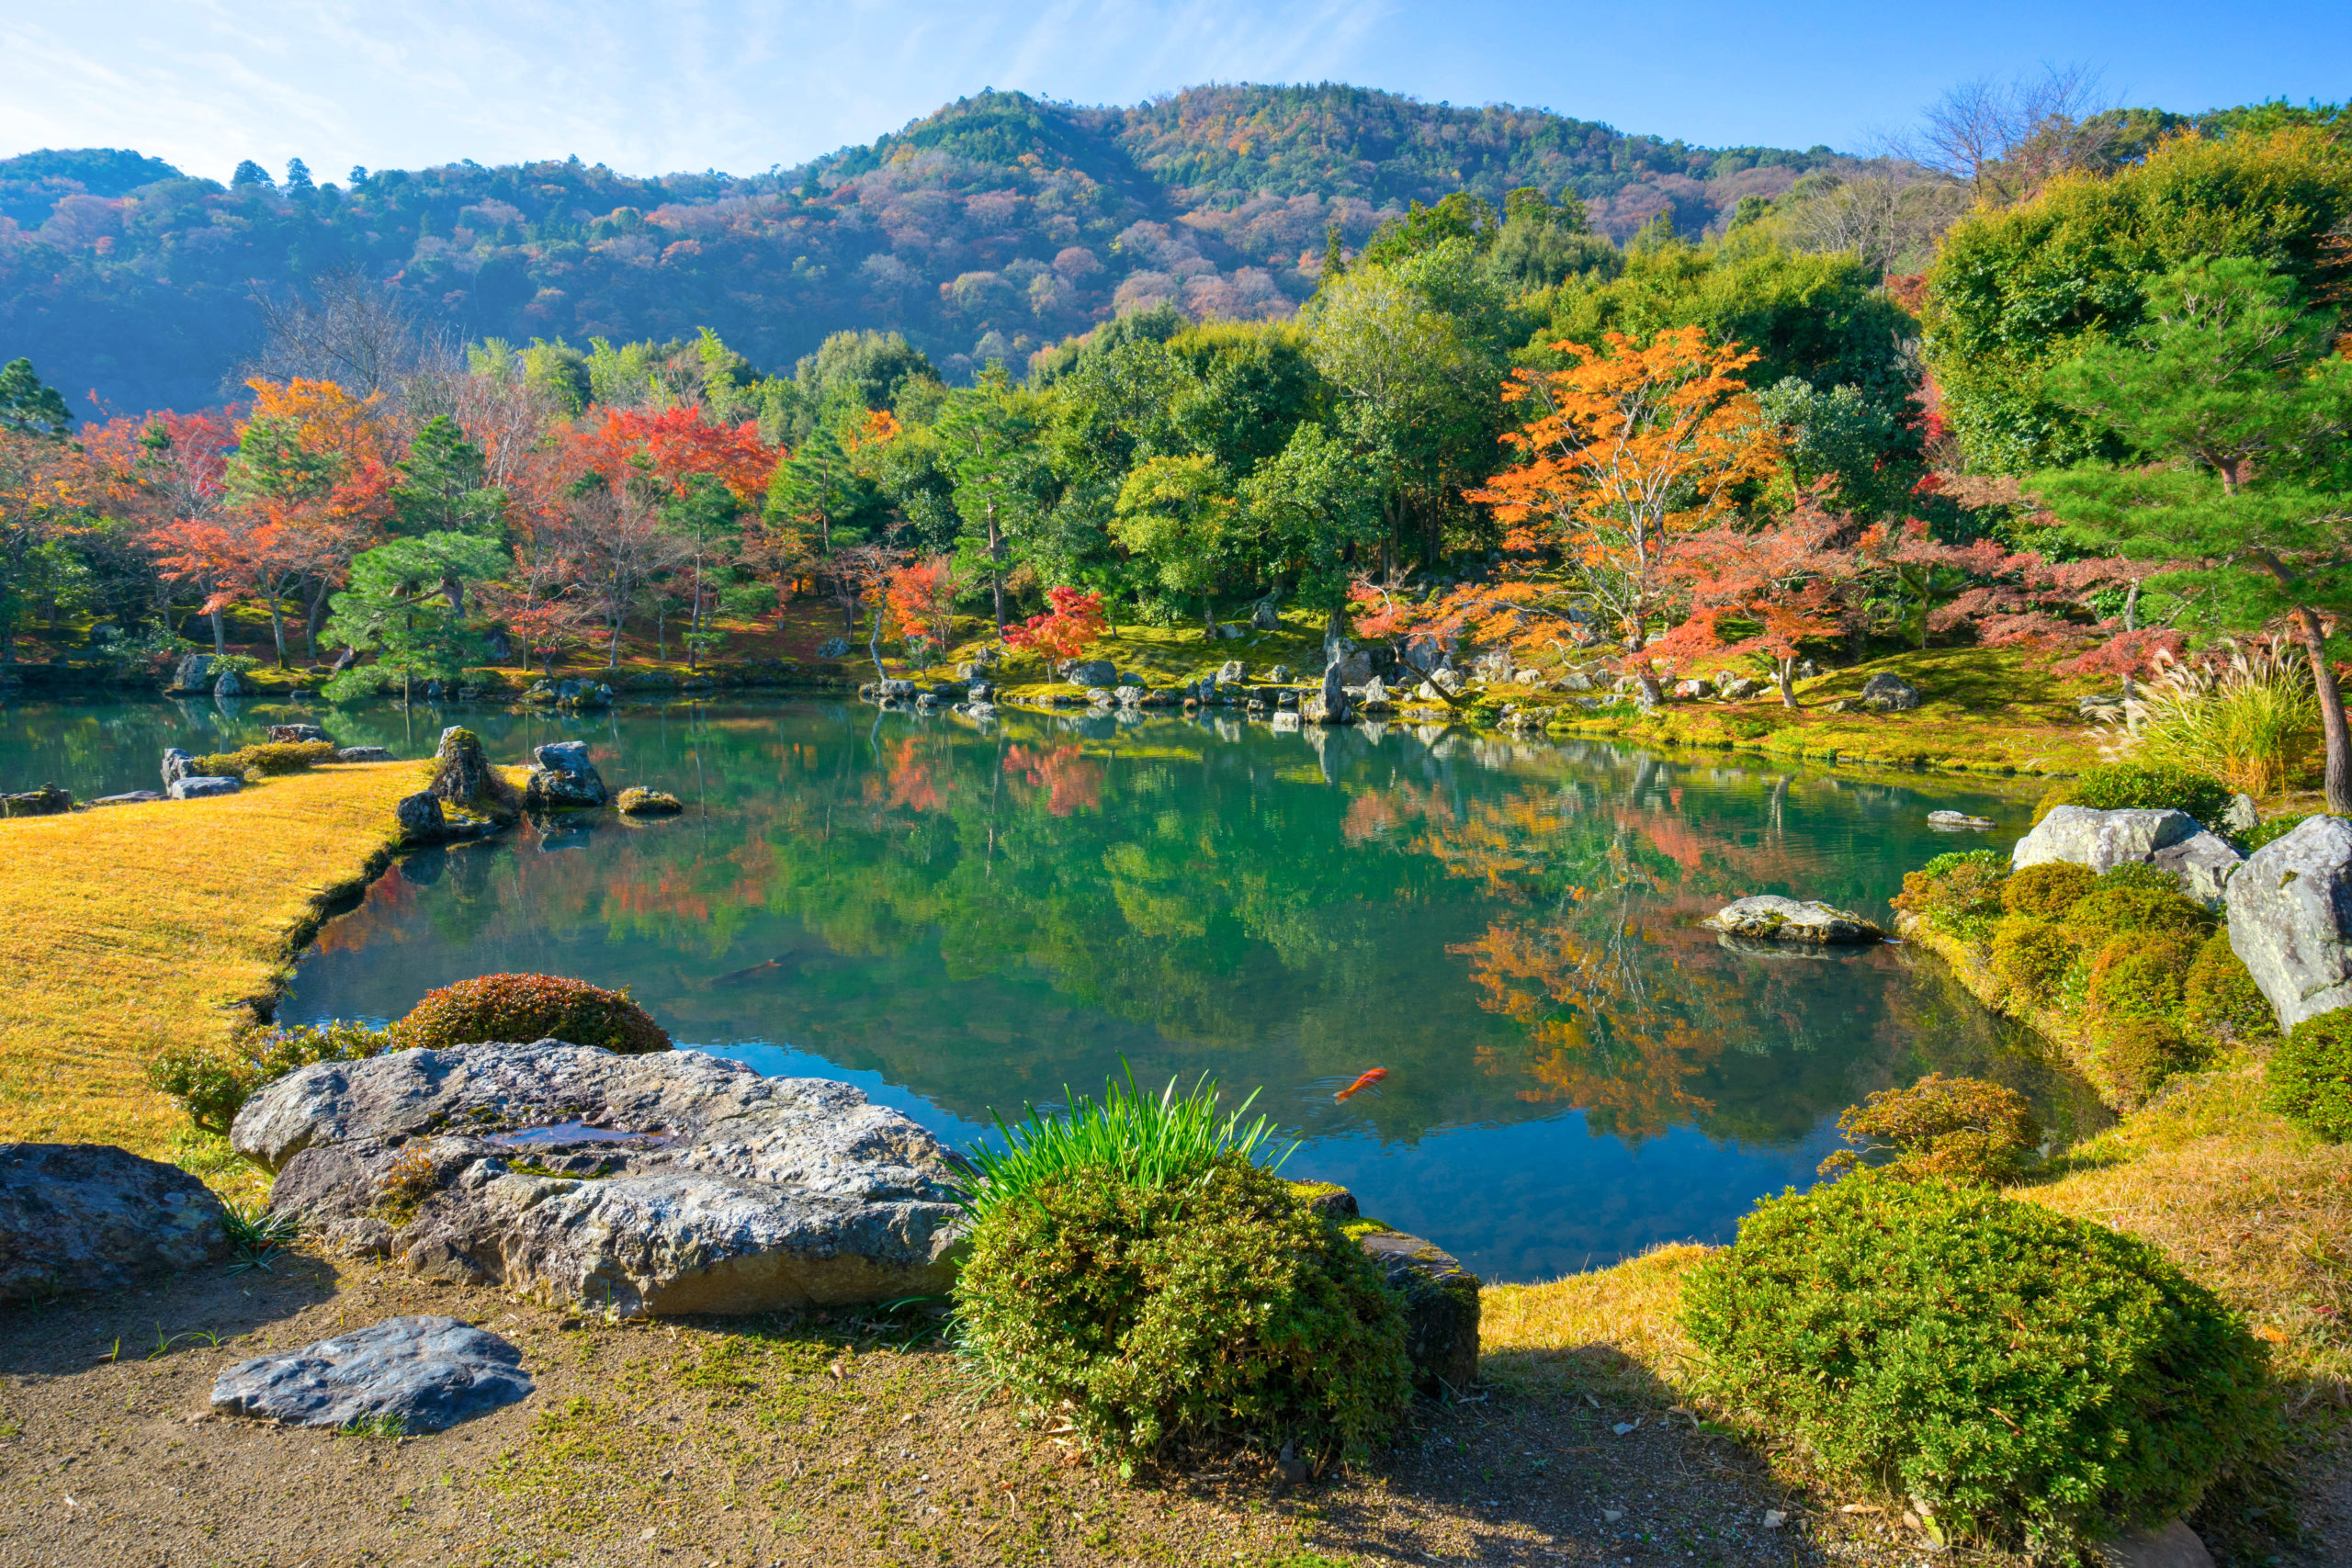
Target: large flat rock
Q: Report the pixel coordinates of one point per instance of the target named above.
(423, 1373)
(90, 1216)
(665, 1183)
(1767, 917)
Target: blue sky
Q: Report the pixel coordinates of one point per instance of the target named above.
(712, 83)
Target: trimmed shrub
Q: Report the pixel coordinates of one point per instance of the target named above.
(523, 1008)
(212, 1085)
(2139, 1053)
(2121, 786)
(2219, 999)
(2031, 957)
(2023, 1373)
(268, 757)
(1218, 1307)
(2048, 890)
(1957, 892)
(2119, 906)
(1964, 1129)
(2310, 1077)
(2139, 975)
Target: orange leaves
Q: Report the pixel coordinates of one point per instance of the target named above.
(675, 446)
(1063, 632)
(922, 597)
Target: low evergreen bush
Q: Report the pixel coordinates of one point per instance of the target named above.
(2119, 786)
(213, 1085)
(2139, 974)
(1215, 1307)
(2028, 1377)
(1960, 893)
(2271, 829)
(268, 757)
(2310, 1077)
(2219, 999)
(2147, 903)
(2139, 1053)
(1964, 1129)
(523, 1008)
(2048, 890)
(2031, 957)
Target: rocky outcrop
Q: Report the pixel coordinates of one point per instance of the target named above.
(199, 786)
(1888, 692)
(229, 684)
(565, 780)
(1090, 673)
(1329, 706)
(2290, 919)
(2171, 840)
(363, 754)
(666, 1183)
(1769, 918)
(195, 675)
(1439, 1299)
(1956, 821)
(47, 801)
(287, 734)
(421, 818)
(88, 1216)
(462, 774)
(413, 1374)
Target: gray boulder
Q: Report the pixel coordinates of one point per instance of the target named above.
(289, 734)
(194, 674)
(47, 801)
(421, 818)
(1329, 706)
(1888, 692)
(893, 689)
(2242, 815)
(176, 766)
(1099, 695)
(462, 774)
(1692, 689)
(1129, 696)
(88, 1216)
(1769, 918)
(1090, 673)
(1279, 674)
(1230, 672)
(2202, 864)
(423, 1373)
(363, 754)
(833, 647)
(1741, 688)
(1956, 821)
(2290, 919)
(229, 684)
(2102, 839)
(565, 780)
(198, 786)
(130, 797)
(670, 1182)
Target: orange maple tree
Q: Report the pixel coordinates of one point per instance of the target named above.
(1631, 447)
(1067, 629)
(922, 597)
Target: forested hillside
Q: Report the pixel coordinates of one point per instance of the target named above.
(996, 226)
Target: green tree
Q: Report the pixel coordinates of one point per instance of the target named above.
(1177, 515)
(2016, 292)
(989, 435)
(28, 405)
(2232, 410)
(438, 485)
(1317, 512)
(406, 604)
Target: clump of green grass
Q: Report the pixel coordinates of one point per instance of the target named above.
(257, 1238)
(1140, 1139)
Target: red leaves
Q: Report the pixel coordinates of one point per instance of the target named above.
(675, 446)
(1065, 631)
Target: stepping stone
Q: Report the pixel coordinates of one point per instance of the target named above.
(417, 1374)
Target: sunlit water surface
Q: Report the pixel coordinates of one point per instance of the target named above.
(962, 923)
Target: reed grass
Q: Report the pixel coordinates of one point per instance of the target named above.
(2248, 716)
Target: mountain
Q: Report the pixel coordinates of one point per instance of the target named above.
(996, 225)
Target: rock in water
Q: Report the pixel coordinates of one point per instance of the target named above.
(195, 674)
(197, 786)
(461, 776)
(1770, 918)
(420, 820)
(638, 801)
(2290, 919)
(1888, 692)
(1439, 1299)
(425, 1373)
(88, 1216)
(565, 779)
(668, 1183)
(285, 734)
(1954, 821)
(229, 684)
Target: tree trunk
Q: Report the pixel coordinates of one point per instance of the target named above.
(219, 636)
(277, 631)
(1787, 669)
(2331, 712)
(996, 568)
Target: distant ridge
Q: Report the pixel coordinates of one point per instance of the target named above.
(998, 223)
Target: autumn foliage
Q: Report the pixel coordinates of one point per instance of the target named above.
(1066, 630)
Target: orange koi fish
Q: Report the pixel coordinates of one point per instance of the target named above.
(1362, 1083)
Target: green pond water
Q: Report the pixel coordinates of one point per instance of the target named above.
(965, 922)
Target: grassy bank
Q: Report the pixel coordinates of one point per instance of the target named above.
(132, 926)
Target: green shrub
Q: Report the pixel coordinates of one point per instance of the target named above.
(2138, 1055)
(2119, 786)
(212, 1085)
(2132, 905)
(1960, 893)
(2023, 1373)
(2048, 890)
(1160, 1140)
(2139, 975)
(2271, 829)
(1964, 1129)
(523, 1008)
(2031, 957)
(2310, 1077)
(1221, 1306)
(2219, 999)
(268, 758)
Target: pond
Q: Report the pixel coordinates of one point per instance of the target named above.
(964, 923)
